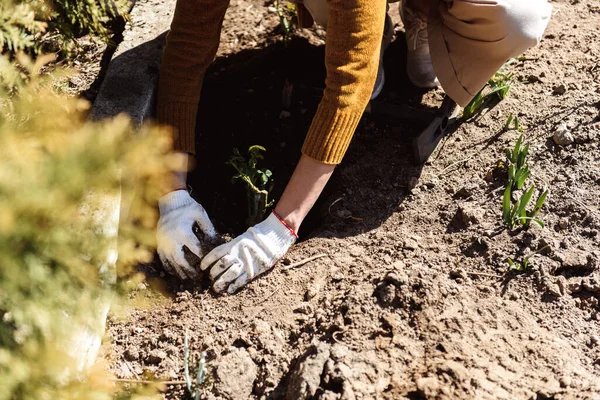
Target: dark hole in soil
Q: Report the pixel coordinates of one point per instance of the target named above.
(571, 272)
(241, 105)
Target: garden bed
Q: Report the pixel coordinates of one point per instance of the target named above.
(414, 298)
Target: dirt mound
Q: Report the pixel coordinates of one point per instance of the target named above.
(414, 298)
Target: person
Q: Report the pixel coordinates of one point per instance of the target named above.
(459, 44)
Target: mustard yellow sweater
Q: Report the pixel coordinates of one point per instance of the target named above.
(352, 46)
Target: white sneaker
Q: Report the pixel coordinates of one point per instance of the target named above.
(388, 34)
(419, 67)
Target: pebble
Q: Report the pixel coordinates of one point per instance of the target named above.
(304, 308)
(337, 276)
(559, 89)
(156, 356)
(562, 135)
(235, 374)
(565, 381)
(410, 244)
(132, 354)
(387, 294)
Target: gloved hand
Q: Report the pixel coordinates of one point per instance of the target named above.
(236, 263)
(178, 214)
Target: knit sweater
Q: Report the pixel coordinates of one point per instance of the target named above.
(352, 46)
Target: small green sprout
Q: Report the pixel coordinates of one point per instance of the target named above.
(515, 120)
(200, 371)
(523, 266)
(498, 85)
(259, 182)
(515, 212)
(286, 18)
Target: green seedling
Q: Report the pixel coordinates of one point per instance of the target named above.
(516, 158)
(515, 120)
(523, 265)
(259, 182)
(498, 85)
(515, 212)
(286, 18)
(194, 388)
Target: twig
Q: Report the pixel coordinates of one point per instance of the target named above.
(335, 339)
(305, 261)
(269, 296)
(348, 217)
(456, 163)
(145, 382)
(484, 274)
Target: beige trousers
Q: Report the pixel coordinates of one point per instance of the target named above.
(469, 40)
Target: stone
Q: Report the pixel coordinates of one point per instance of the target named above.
(235, 374)
(410, 244)
(305, 380)
(386, 294)
(156, 356)
(565, 381)
(429, 386)
(132, 353)
(559, 89)
(468, 215)
(303, 308)
(562, 136)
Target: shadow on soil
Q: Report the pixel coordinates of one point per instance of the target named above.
(242, 105)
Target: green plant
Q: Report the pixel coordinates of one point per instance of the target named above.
(515, 212)
(19, 28)
(58, 171)
(515, 121)
(194, 390)
(498, 85)
(518, 171)
(523, 265)
(31, 25)
(287, 16)
(259, 182)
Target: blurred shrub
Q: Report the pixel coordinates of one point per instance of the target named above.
(50, 245)
(29, 25)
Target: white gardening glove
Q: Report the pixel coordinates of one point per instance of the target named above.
(236, 263)
(178, 215)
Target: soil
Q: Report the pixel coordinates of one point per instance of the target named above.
(414, 298)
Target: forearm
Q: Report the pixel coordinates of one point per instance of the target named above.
(303, 190)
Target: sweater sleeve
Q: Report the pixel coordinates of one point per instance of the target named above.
(192, 44)
(352, 47)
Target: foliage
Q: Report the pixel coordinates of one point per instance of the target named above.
(515, 121)
(194, 390)
(515, 212)
(498, 85)
(287, 17)
(57, 172)
(259, 182)
(25, 25)
(523, 265)
(19, 28)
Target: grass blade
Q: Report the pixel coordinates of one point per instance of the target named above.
(506, 202)
(522, 203)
